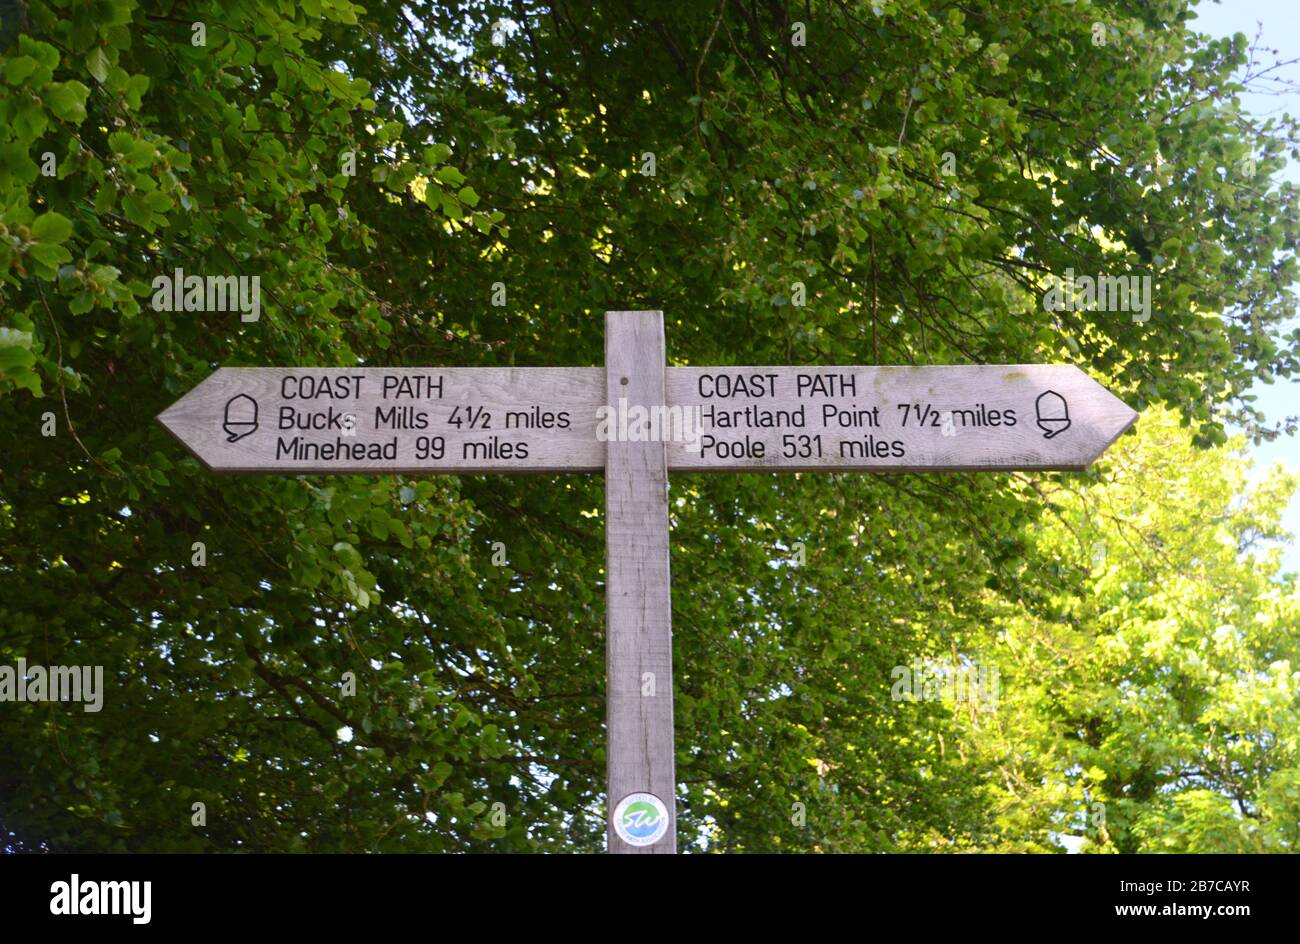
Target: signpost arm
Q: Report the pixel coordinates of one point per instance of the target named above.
(639, 661)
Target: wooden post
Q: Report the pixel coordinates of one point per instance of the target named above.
(638, 644)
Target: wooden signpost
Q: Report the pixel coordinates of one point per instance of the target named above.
(636, 419)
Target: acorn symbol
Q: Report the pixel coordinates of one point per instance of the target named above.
(1053, 413)
(241, 417)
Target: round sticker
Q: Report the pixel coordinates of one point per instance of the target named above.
(641, 819)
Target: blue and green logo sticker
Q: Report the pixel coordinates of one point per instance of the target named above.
(641, 819)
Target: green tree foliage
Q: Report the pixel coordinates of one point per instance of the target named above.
(1151, 702)
(873, 182)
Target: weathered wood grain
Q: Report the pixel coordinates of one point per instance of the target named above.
(639, 616)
